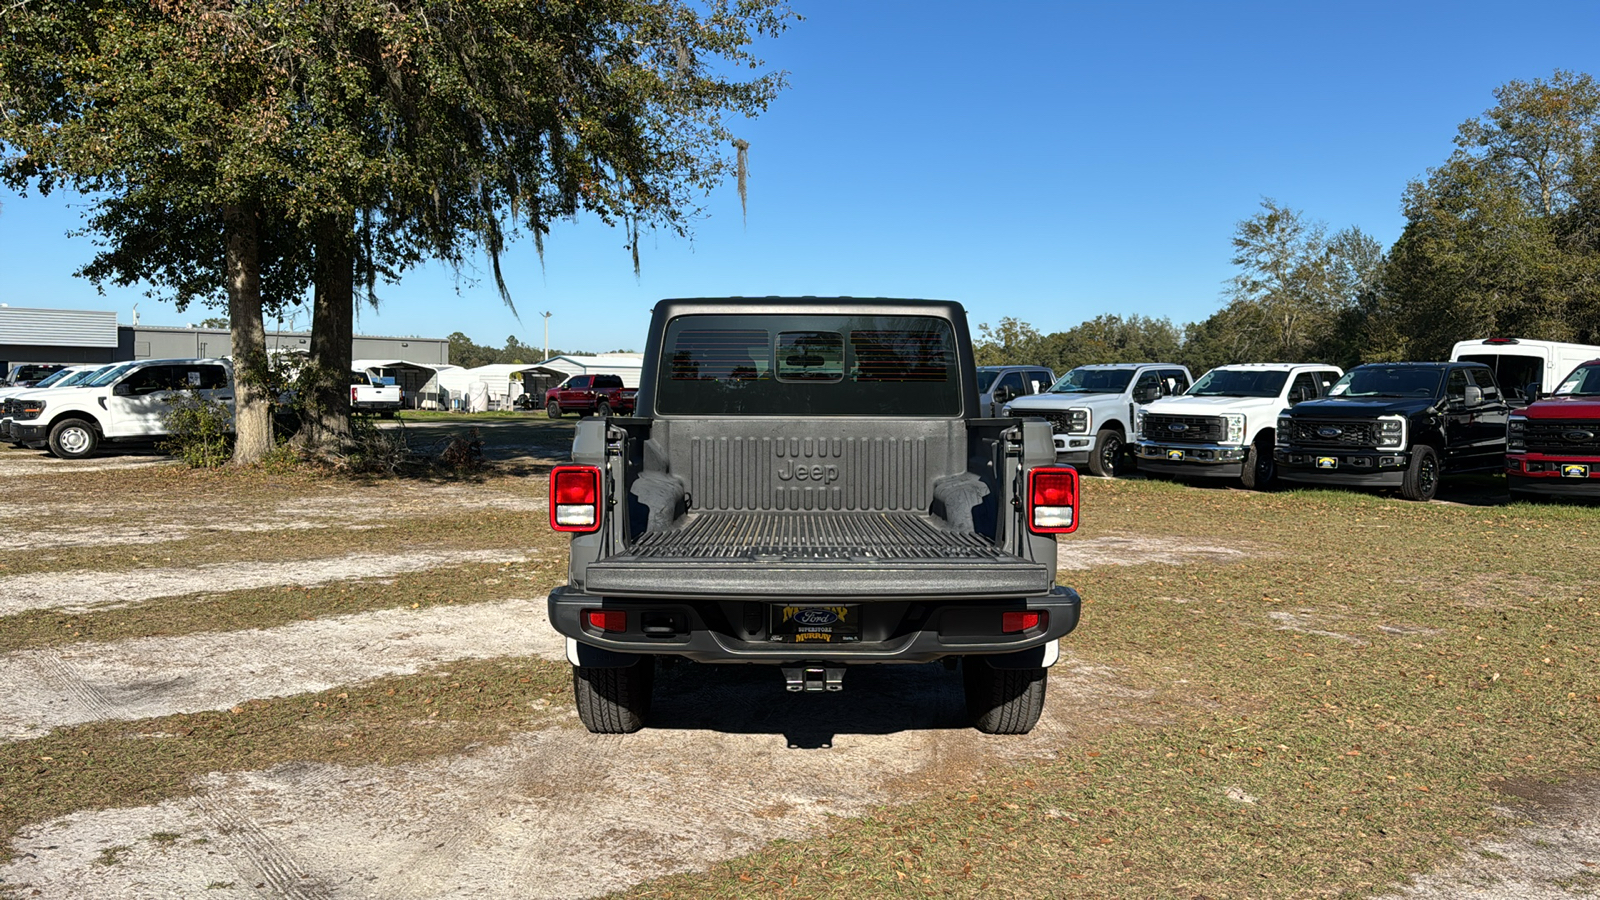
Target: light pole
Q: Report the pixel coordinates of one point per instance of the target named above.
(546, 334)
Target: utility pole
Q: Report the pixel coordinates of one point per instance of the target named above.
(546, 334)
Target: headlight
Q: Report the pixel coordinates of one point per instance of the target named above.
(1138, 425)
(1391, 433)
(1282, 436)
(1078, 421)
(1235, 429)
(29, 409)
(1517, 433)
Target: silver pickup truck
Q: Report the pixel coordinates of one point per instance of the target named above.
(808, 485)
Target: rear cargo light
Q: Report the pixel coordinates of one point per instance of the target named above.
(1501, 341)
(1053, 500)
(575, 499)
(1013, 622)
(607, 619)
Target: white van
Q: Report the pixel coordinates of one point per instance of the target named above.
(1519, 362)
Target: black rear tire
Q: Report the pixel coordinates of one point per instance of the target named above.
(1260, 469)
(602, 409)
(1422, 476)
(1107, 455)
(614, 701)
(1003, 701)
(73, 439)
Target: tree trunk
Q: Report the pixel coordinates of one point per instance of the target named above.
(325, 382)
(252, 411)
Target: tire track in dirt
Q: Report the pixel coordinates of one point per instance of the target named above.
(150, 677)
(83, 699)
(713, 778)
(261, 860)
(86, 591)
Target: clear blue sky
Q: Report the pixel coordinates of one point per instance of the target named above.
(1048, 161)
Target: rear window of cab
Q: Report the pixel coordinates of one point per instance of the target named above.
(804, 365)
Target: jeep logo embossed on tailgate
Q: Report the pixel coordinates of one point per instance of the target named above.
(789, 470)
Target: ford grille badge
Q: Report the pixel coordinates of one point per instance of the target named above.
(1177, 426)
(1329, 431)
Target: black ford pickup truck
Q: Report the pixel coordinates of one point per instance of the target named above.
(1397, 425)
(808, 484)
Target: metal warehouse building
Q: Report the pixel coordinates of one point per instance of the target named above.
(76, 336)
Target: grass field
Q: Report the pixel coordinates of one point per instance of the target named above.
(1338, 702)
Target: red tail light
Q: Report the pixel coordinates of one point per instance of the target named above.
(607, 619)
(1013, 622)
(1053, 500)
(352, 393)
(575, 499)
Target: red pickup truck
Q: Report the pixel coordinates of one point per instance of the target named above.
(601, 395)
(1553, 444)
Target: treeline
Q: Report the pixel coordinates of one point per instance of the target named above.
(1502, 239)
(467, 354)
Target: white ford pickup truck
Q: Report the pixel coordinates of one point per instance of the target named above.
(367, 395)
(1092, 409)
(129, 402)
(1224, 426)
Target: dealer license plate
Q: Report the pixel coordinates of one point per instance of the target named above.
(1574, 471)
(838, 624)
(1327, 462)
(1175, 455)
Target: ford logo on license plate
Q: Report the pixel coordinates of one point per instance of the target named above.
(816, 616)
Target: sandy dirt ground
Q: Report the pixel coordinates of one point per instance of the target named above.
(152, 677)
(731, 761)
(84, 591)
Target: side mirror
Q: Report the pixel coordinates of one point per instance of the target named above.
(1147, 394)
(1474, 395)
(1004, 394)
(123, 390)
(1531, 392)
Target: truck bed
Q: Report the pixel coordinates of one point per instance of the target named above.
(777, 555)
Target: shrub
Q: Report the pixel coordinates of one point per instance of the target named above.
(199, 431)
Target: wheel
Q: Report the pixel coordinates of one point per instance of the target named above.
(602, 409)
(1260, 470)
(73, 439)
(552, 409)
(614, 701)
(1107, 453)
(1003, 701)
(1422, 476)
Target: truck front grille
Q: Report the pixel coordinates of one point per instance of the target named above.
(1563, 436)
(1059, 421)
(1334, 432)
(1191, 430)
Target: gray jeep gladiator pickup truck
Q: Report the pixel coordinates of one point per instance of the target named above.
(808, 484)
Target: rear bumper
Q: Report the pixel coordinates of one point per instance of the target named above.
(734, 630)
